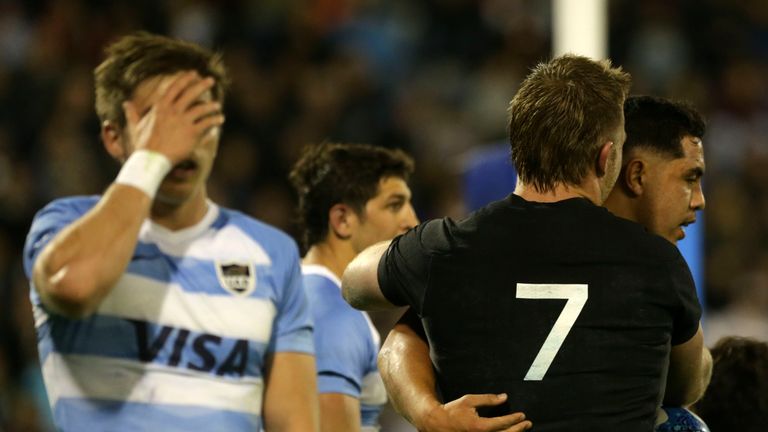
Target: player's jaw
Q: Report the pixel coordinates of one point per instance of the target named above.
(183, 171)
(185, 180)
(680, 229)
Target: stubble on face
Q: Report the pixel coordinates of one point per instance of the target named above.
(674, 190)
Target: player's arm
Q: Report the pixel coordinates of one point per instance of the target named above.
(407, 372)
(75, 270)
(78, 267)
(340, 413)
(290, 396)
(690, 368)
(360, 283)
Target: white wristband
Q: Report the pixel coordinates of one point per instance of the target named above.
(145, 170)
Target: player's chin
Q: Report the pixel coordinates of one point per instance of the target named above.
(175, 192)
(679, 234)
(674, 235)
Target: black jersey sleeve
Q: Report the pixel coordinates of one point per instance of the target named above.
(688, 313)
(410, 319)
(403, 269)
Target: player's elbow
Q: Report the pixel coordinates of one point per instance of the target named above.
(705, 375)
(684, 397)
(688, 392)
(62, 293)
(349, 293)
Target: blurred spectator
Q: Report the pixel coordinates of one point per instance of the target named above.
(737, 396)
(433, 77)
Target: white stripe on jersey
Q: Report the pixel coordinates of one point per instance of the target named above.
(80, 376)
(373, 390)
(227, 243)
(140, 298)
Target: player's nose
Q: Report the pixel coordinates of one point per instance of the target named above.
(410, 219)
(698, 202)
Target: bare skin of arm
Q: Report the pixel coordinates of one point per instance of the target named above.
(340, 413)
(82, 263)
(407, 372)
(690, 368)
(290, 396)
(360, 283)
(411, 382)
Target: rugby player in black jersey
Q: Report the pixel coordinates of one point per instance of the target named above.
(576, 315)
(659, 187)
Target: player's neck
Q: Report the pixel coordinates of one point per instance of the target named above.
(621, 205)
(179, 216)
(333, 256)
(589, 189)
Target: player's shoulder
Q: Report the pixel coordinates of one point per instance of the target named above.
(330, 311)
(639, 240)
(73, 204)
(434, 236)
(61, 212)
(320, 283)
(268, 236)
(324, 293)
(446, 235)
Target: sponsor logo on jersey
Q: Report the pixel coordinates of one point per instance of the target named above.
(200, 352)
(237, 278)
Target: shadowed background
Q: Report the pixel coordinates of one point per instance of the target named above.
(433, 77)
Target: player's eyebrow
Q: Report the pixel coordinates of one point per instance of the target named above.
(397, 196)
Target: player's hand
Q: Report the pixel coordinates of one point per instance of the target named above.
(177, 120)
(461, 416)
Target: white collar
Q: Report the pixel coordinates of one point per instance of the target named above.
(159, 232)
(321, 270)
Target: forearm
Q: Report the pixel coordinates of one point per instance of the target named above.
(690, 369)
(340, 413)
(291, 377)
(77, 269)
(704, 376)
(407, 373)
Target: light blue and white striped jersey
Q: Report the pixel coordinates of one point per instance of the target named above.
(179, 344)
(346, 345)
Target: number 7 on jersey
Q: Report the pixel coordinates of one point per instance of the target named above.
(576, 294)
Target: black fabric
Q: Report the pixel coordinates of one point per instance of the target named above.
(461, 278)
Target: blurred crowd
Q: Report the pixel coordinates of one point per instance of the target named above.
(433, 77)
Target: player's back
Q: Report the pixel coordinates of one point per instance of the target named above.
(565, 307)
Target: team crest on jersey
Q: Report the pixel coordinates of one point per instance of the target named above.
(237, 278)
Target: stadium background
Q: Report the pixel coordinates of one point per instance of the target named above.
(432, 76)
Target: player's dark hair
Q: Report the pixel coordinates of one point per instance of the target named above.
(563, 113)
(331, 173)
(660, 124)
(141, 55)
(737, 396)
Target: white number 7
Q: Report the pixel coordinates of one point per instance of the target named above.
(576, 294)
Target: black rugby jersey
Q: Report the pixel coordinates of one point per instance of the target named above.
(565, 307)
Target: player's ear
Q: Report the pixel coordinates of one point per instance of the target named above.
(112, 139)
(633, 176)
(605, 157)
(341, 221)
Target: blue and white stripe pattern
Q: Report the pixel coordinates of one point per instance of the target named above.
(347, 344)
(181, 340)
